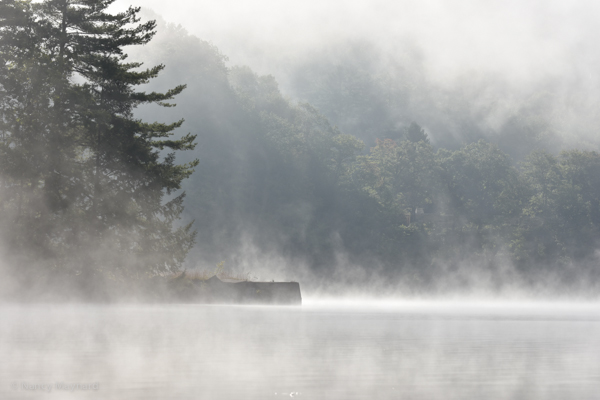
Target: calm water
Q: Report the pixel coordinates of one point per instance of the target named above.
(382, 351)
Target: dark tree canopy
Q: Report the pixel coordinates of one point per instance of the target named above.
(86, 178)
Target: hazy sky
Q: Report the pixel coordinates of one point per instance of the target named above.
(530, 46)
(524, 39)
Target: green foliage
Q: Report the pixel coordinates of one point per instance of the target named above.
(479, 179)
(414, 133)
(560, 218)
(401, 176)
(84, 179)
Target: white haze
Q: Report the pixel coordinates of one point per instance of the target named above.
(530, 46)
(402, 351)
(500, 53)
(355, 337)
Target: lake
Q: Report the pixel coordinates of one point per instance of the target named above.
(322, 350)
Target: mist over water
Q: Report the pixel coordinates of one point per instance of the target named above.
(419, 350)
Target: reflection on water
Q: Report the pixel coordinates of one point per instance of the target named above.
(335, 351)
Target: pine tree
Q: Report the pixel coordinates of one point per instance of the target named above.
(414, 133)
(26, 88)
(105, 173)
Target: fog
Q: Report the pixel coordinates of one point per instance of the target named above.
(523, 41)
(498, 57)
(353, 351)
(520, 75)
(424, 172)
(387, 149)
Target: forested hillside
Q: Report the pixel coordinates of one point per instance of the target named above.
(335, 191)
(281, 190)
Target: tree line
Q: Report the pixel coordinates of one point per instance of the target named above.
(281, 176)
(87, 185)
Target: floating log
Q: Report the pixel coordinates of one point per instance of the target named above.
(215, 291)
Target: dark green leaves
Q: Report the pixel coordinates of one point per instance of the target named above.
(80, 173)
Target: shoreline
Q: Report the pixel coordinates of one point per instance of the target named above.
(155, 290)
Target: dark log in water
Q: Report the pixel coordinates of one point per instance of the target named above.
(215, 291)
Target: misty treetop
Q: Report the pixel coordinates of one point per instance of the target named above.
(83, 181)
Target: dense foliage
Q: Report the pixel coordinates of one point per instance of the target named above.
(83, 181)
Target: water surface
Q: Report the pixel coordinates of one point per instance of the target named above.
(407, 350)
